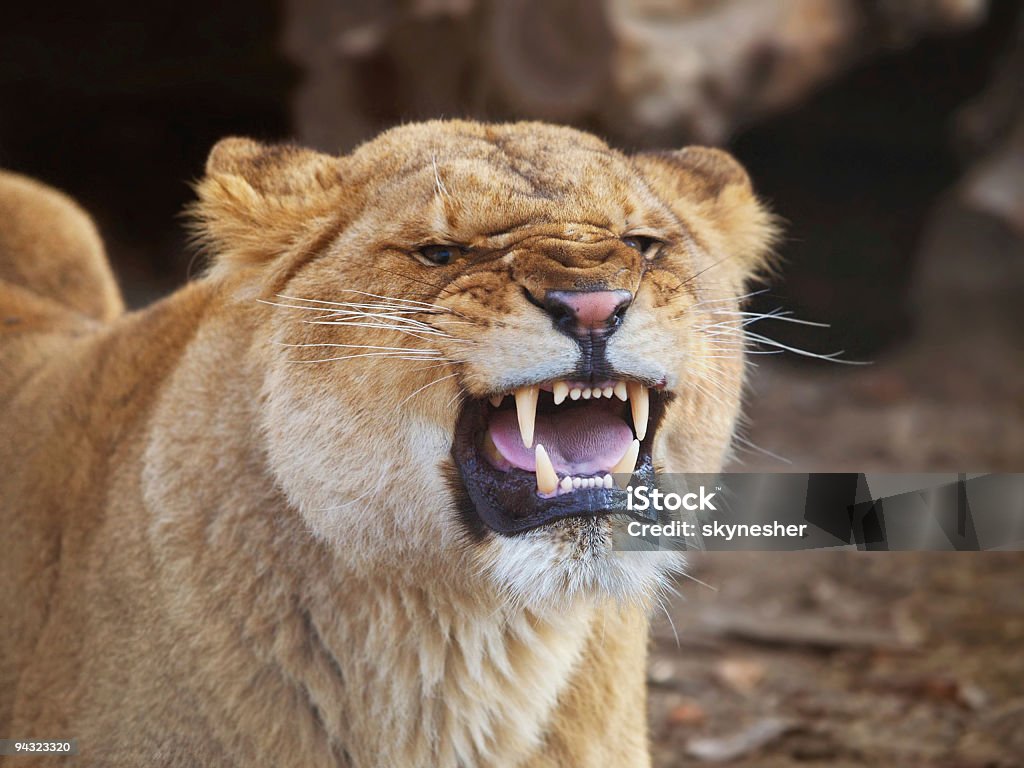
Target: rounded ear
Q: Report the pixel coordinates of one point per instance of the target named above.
(710, 191)
(256, 200)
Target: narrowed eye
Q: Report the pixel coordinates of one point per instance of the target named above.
(642, 243)
(438, 254)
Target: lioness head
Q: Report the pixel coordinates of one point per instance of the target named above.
(469, 328)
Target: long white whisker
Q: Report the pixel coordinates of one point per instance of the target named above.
(390, 355)
(362, 293)
(389, 300)
(730, 298)
(429, 384)
(409, 331)
(832, 356)
(754, 446)
(413, 350)
(326, 310)
(754, 317)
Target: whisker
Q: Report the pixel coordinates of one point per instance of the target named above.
(360, 346)
(832, 356)
(418, 332)
(429, 384)
(390, 355)
(754, 446)
(295, 306)
(730, 298)
(364, 293)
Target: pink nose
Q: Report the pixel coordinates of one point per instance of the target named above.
(587, 311)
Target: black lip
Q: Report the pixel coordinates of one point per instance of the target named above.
(507, 502)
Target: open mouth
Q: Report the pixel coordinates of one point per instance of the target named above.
(554, 450)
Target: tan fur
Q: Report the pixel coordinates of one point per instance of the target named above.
(222, 553)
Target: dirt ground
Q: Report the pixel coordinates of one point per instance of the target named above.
(842, 659)
(855, 659)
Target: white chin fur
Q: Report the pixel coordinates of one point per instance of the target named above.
(549, 568)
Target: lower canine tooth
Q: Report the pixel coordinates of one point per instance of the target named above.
(627, 463)
(547, 480)
(526, 411)
(639, 400)
(560, 389)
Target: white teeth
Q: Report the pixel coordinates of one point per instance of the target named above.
(575, 394)
(609, 391)
(496, 400)
(560, 389)
(570, 483)
(547, 480)
(639, 400)
(627, 463)
(526, 411)
(586, 394)
(620, 391)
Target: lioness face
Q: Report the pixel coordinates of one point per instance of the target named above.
(470, 329)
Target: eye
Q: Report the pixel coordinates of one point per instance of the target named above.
(643, 244)
(438, 254)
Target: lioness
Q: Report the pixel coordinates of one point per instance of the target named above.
(344, 500)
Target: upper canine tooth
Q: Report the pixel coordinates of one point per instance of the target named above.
(496, 400)
(547, 480)
(627, 463)
(526, 411)
(560, 390)
(639, 400)
(620, 391)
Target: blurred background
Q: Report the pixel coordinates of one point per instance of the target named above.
(889, 134)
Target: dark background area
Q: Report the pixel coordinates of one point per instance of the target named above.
(882, 142)
(119, 103)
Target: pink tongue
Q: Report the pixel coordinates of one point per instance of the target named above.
(580, 441)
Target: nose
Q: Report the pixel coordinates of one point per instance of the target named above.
(582, 313)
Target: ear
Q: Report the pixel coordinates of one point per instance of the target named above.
(257, 200)
(711, 192)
